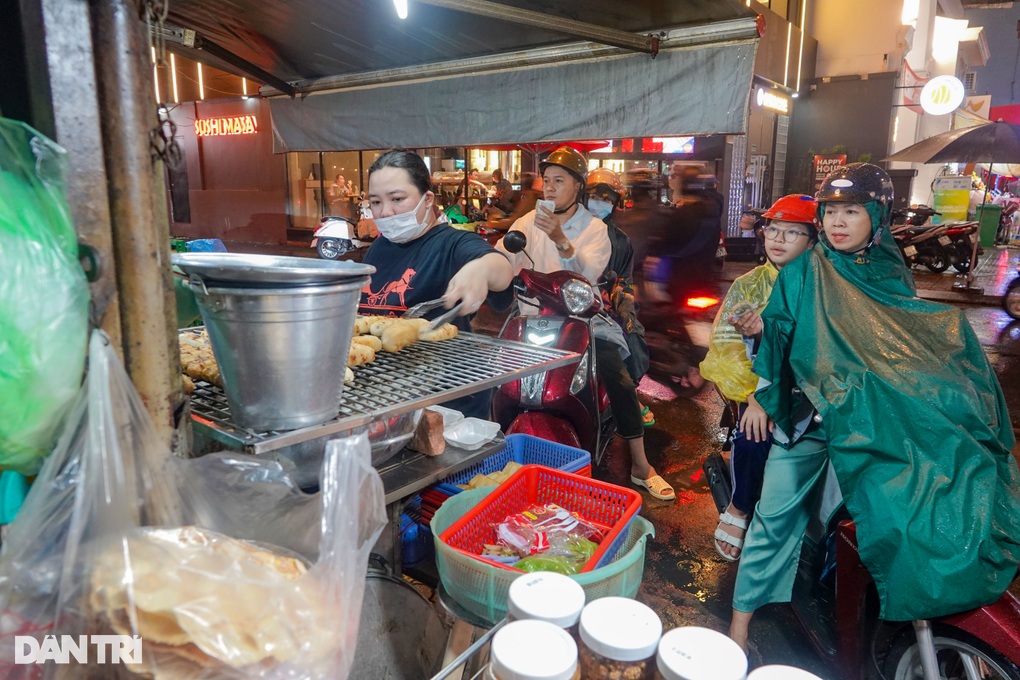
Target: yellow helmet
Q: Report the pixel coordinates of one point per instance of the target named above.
(602, 181)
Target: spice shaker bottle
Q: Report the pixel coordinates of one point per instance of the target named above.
(546, 596)
(619, 638)
(694, 653)
(532, 650)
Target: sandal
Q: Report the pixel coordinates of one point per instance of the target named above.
(656, 486)
(647, 417)
(721, 535)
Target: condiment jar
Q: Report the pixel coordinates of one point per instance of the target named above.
(532, 650)
(781, 673)
(546, 596)
(619, 637)
(694, 653)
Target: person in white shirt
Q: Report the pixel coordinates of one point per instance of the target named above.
(571, 238)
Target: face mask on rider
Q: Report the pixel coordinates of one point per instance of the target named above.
(404, 227)
(600, 209)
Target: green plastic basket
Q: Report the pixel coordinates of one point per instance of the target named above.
(482, 588)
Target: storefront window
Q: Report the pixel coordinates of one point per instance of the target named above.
(305, 188)
(342, 173)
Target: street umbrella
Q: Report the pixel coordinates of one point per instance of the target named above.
(985, 143)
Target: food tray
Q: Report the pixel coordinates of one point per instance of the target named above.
(606, 505)
(423, 374)
(481, 587)
(525, 450)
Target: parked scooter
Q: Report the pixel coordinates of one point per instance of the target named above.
(962, 235)
(336, 236)
(568, 404)
(835, 600)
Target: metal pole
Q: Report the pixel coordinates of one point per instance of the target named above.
(141, 238)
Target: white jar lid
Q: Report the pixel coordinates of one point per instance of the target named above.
(546, 596)
(781, 673)
(694, 653)
(620, 629)
(533, 650)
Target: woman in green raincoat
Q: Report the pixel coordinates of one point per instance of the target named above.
(897, 393)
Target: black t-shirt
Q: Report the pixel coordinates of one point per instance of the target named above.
(409, 273)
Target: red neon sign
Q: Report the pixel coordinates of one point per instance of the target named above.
(220, 127)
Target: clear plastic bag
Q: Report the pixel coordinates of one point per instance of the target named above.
(43, 298)
(102, 547)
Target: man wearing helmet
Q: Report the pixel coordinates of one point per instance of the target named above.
(897, 393)
(569, 237)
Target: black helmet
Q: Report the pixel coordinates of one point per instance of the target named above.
(856, 183)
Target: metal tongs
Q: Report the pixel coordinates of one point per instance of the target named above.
(423, 308)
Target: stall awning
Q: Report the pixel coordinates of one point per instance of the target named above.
(471, 72)
(682, 92)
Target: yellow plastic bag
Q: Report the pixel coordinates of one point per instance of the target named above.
(727, 363)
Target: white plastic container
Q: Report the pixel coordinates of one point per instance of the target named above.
(619, 638)
(781, 673)
(532, 650)
(693, 653)
(470, 433)
(546, 596)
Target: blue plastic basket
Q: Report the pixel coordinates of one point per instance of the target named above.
(524, 450)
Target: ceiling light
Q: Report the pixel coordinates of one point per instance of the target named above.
(401, 6)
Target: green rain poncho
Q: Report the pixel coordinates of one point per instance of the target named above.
(727, 364)
(915, 420)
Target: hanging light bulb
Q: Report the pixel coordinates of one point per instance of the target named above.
(401, 6)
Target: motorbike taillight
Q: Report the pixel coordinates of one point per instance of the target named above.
(701, 302)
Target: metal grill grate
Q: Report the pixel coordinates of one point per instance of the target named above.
(423, 374)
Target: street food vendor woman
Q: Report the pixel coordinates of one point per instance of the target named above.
(418, 258)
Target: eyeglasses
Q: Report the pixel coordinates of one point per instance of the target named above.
(789, 235)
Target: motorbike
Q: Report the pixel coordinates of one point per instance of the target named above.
(336, 236)
(936, 246)
(839, 609)
(962, 236)
(567, 405)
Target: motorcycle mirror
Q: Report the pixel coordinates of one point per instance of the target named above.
(515, 241)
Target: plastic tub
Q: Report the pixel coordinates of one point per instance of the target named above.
(524, 450)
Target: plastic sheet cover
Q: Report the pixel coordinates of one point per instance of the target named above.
(701, 90)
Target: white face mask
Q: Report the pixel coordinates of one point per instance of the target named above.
(600, 209)
(404, 227)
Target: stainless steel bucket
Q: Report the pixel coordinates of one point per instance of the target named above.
(281, 351)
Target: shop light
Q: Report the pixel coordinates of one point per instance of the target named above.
(201, 83)
(155, 74)
(173, 76)
(786, 66)
(244, 88)
(803, 30)
(401, 6)
(911, 9)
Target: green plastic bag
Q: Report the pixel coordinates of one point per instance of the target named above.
(43, 298)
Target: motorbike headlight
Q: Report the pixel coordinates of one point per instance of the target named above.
(577, 296)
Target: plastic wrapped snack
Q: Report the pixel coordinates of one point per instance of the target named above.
(107, 545)
(547, 529)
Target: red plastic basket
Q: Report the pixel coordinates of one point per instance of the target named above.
(607, 506)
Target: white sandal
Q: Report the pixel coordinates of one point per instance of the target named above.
(725, 537)
(656, 486)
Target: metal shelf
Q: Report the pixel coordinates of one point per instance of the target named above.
(423, 374)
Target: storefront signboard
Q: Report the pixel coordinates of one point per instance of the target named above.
(942, 95)
(952, 197)
(773, 100)
(824, 164)
(220, 127)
